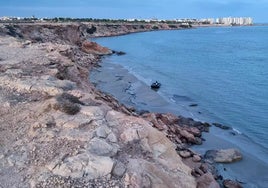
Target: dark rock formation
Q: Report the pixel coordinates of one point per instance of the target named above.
(221, 126)
(118, 52)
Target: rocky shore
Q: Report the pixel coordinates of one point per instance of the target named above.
(57, 130)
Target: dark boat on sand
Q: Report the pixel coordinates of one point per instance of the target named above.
(156, 85)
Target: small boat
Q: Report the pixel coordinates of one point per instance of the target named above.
(155, 85)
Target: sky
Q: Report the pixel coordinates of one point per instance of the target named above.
(141, 9)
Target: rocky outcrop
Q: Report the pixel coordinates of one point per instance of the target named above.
(94, 48)
(56, 130)
(179, 130)
(224, 155)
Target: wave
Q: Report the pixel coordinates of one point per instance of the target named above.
(236, 131)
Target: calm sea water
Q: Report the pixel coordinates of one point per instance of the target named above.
(223, 70)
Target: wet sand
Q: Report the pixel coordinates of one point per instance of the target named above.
(129, 90)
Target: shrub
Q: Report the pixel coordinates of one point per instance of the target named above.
(68, 104)
(91, 30)
(70, 98)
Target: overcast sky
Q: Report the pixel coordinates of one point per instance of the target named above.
(167, 9)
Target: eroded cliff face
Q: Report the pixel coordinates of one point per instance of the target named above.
(74, 33)
(58, 131)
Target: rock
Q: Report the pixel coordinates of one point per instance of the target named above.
(147, 174)
(198, 141)
(185, 154)
(195, 131)
(198, 172)
(94, 48)
(160, 125)
(169, 119)
(112, 138)
(91, 165)
(189, 137)
(204, 167)
(103, 131)
(119, 169)
(224, 156)
(101, 147)
(93, 112)
(118, 52)
(231, 184)
(221, 126)
(207, 181)
(196, 158)
(129, 135)
(193, 105)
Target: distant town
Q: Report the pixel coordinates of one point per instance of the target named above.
(232, 21)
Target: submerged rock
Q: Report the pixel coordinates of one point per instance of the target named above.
(221, 126)
(193, 105)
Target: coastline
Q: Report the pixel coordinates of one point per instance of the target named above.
(58, 130)
(103, 124)
(216, 139)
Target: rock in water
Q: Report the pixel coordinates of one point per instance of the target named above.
(224, 155)
(231, 184)
(224, 127)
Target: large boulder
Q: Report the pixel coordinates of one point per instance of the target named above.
(224, 155)
(94, 48)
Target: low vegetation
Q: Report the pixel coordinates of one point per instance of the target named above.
(68, 104)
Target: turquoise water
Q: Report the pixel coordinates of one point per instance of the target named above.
(224, 70)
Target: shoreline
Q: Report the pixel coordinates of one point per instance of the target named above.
(250, 161)
(52, 148)
(57, 130)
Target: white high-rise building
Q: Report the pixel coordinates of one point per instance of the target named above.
(235, 21)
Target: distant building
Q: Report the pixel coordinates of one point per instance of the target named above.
(5, 18)
(235, 21)
(207, 20)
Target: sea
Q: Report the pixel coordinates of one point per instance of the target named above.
(213, 74)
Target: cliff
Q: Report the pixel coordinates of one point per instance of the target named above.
(57, 130)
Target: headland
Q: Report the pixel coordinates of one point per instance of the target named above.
(57, 130)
